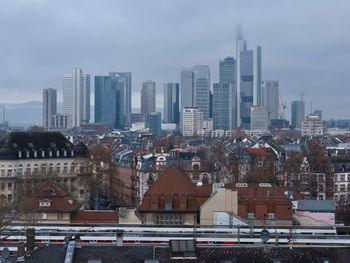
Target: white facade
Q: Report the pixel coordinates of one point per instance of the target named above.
(76, 96)
(259, 119)
(312, 126)
(192, 121)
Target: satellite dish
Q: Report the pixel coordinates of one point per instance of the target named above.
(264, 235)
(5, 253)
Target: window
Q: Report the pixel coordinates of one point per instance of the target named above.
(43, 216)
(45, 203)
(36, 168)
(59, 216)
(81, 193)
(51, 168)
(2, 186)
(271, 215)
(250, 215)
(2, 171)
(43, 168)
(65, 168)
(9, 187)
(168, 206)
(20, 169)
(28, 169)
(58, 168)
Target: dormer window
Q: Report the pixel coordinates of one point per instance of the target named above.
(58, 153)
(50, 153)
(35, 154)
(19, 154)
(65, 153)
(42, 154)
(45, 203)
(28, 154)
(71, 153)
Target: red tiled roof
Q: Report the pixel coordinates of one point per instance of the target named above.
(95, 217)
(258, 151)
(176, 188)
(59, 199)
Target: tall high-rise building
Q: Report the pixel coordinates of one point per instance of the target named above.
(76, 96)
(148, 97)
(49, 106)
(192, 121)
(298, 113)
(171, 103)
(201, 85)
(227, 71)
(187, 91)
(270, 98)
(259, 119)
(224, 106)
(109, 101)
(125, 78)
(248, 76)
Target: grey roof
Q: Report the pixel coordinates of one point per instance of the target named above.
(317, 205)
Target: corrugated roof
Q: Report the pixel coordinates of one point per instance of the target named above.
(317, 205)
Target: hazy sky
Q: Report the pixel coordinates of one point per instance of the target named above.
(305, 44)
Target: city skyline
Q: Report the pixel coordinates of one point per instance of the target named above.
(290, 53)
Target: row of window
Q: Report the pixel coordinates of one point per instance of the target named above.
(169, 219)
(44, 169)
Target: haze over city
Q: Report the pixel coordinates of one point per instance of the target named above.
(307, 52)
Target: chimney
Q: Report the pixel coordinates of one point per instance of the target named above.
(30, 233)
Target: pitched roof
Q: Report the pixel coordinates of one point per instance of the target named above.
(317, 205)
(60, 200)
(95, 217)
(175, 188)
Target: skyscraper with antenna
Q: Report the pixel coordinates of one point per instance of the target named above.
(248, 76)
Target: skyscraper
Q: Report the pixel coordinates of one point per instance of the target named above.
(76, 96)
(125, 78)
(201, 84)
(223, 106)
(171, 103)
(148, 97)
(298, 113)
(270, 98)
(248, 76)
(109, 101)
(49, 106)
(228, 71)
(187, 91)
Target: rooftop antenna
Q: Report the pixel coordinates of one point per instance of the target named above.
(230, 50)
(3, 114)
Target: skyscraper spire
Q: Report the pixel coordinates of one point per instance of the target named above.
(239, 32)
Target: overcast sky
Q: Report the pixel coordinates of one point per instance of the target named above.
(305, 44)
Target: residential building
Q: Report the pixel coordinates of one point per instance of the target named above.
(49, 106)
(61, 121)
(76, 96)
(224, 109)
(259, 119)
(248, 76)
(270, 98)
(171, 103)
(192, 121)
(109, 101)
(201, 85)
(298, 113)
(28, 160)
(313, 126)
(125, 78)
(148, 97)
(173, 199)
(154, 122)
